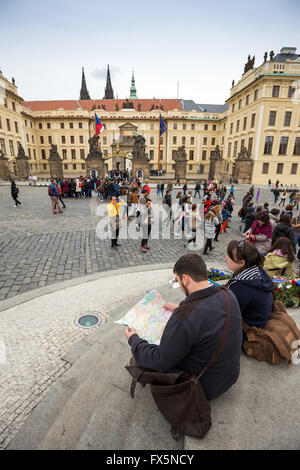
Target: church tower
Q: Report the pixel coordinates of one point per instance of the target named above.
(84, 94)
(132, 88)
(109, 94)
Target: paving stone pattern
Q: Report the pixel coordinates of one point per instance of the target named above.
(38, 248)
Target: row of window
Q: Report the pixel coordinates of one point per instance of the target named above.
(283, 146)
(66, 166)
(271, 122)
(13, 105)
(191, 154)
(63, 139)
(8, 126)
(275, 94)
(62, 125)
(65, 153)
(279, 168)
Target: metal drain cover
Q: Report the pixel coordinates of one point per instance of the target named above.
(88, 321)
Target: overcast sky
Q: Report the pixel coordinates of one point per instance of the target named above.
(203, 45)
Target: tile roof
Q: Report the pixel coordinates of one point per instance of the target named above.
(110, 105)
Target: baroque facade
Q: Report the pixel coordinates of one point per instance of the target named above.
(259, 125)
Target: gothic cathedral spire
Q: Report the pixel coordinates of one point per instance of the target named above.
(109, 94)
(84, 94)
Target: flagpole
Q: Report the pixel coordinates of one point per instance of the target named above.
(159, 146)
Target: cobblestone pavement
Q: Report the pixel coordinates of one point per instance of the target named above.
(38, 248)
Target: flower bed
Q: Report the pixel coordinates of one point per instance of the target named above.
(288, 292)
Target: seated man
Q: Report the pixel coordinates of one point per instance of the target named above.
(193, 332)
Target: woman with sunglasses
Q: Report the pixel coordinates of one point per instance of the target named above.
(251, 285)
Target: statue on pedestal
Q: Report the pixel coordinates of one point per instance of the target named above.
(139, 147)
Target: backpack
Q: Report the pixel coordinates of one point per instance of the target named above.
(277, 341)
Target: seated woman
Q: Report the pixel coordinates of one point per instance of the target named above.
(280, 259)
(261, 232)
(251, 285)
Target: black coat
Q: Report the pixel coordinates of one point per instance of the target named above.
(14, 191)
(283, 230)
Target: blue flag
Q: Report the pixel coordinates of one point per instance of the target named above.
(162, 126)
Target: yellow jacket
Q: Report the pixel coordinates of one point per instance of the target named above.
(114, 210)
(274, 265)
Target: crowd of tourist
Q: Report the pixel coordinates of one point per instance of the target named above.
(275, 234)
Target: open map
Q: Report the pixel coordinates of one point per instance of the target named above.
(148, 317)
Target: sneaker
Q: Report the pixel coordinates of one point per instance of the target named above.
(147, 246)
(144, 249)
(118, 244)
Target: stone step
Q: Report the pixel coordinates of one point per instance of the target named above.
(90, 406)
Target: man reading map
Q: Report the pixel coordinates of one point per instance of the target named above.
(193, 331)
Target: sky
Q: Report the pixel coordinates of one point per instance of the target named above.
(203, 45)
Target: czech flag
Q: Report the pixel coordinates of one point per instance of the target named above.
(99, 126)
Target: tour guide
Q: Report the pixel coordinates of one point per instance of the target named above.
(193, 332)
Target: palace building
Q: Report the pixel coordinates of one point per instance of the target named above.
(253, 137)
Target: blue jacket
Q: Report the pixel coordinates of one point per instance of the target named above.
(225, 214)
(255, 297)
(54, 190)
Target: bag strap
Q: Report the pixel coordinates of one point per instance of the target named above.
(224, 334)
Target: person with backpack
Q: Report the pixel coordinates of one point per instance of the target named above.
(59, 190)
(284, 229)
(14, 193)
(53, 194)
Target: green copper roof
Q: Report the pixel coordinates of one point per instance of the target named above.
(132, 88)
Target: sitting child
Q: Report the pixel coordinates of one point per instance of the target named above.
(280, 259)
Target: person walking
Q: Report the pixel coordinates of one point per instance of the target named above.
(197, 190)
(283, 198)
(146, 216)
(59, 190)
(158, 189)
(225, 216)
(276, 193)
(53, 194)
(210, 223)
(14, 193)
(162, 188)
(184, 189)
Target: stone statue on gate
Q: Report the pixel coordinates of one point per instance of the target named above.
(54, 156)
(216, 154)
(243, 155)
(21, 153)
(180, 154)
(94, 150)
(139, 146)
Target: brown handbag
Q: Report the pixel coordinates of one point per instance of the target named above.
(178, 395)
(277, 341)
